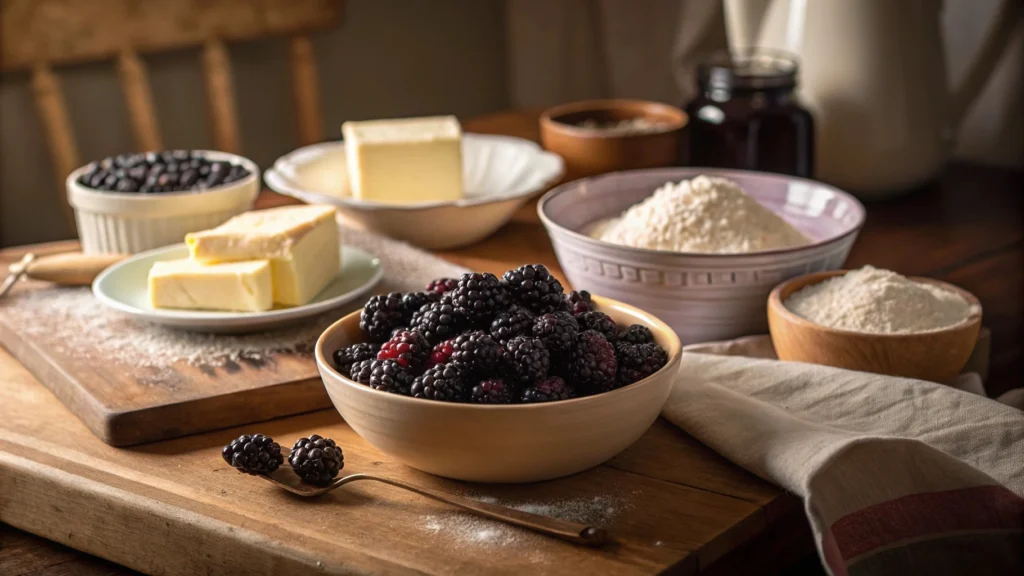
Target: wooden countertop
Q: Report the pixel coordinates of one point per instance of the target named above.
(967, 228)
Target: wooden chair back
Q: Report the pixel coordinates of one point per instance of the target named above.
(41, 35)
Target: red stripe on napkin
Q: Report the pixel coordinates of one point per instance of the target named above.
(917, 515)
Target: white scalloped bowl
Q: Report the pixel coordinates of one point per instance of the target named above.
(500, 174)
(703, 297)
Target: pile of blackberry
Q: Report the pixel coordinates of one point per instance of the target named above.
(484, 340)
(159, 172)
(316, 460)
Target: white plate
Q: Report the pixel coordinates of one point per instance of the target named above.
(124, 287)
(499, 174)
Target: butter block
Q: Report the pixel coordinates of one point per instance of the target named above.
(300, 242)
(240, 286)
(404, 160)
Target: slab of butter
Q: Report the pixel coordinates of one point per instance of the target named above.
(240, 286)
(301, 243)
(405, 160)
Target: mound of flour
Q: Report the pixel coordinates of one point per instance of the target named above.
(879, 301)
(705, 214)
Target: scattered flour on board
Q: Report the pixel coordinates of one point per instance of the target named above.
(706, 215)
(879, 301)
(463, 529)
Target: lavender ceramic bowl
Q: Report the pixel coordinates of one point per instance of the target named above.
(703, 297)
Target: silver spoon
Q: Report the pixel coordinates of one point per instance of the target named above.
(570, 531)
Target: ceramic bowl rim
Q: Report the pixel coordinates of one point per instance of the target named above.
(550, 224)
(673, 362)
(778, 306)
(281, 184)
(254, 173)
(549, 118)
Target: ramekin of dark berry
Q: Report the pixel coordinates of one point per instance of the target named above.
(133, 202)
(490, 379)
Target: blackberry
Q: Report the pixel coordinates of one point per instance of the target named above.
(253, 454)
(529, 359)
(479, 297)
(408, 347)
(390, 376)
(492, 391)
(360, 371)
(636, 334)
(592, 366)
(599, 322)
(578, 302)
(442, 285)
(445, 382)
(508, 325)
(557, 332)
(381, 315)
(547, 390)
(154, 172)
(478, 353)
(533, 287)
(413, 301)
(438, 321)
(316, 460)
(638, 361)
(441, 353)
(344, 358)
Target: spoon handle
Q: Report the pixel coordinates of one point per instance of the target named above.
(571, 531)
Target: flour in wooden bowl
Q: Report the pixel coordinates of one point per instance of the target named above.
(706, 214)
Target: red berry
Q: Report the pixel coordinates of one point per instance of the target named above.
(410, 349)
(441, 353)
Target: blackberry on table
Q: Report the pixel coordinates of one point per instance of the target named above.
(547, 390)
(578, 302)
(253, 454)
(529, 359)
(557, 332)
(442, 285)
(479, 297)
(492, 391)
(441, 353)
(445, 382)
(381, 315)
(478, 353)
(360, 371)
(316, 460)
(533, 287)
(408, 347)
(438, 321)
(345, 357)
(508, 325)
(390, 376)
(636, 334)
(413, 301)
(592, 365)
(638, 361)
(599, 322)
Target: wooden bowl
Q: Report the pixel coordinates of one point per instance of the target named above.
(509, 443)
(589, 151)
(936, 355)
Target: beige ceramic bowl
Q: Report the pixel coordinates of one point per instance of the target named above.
(936, 355)
(514, 443)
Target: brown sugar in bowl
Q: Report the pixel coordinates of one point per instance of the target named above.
(935, 355)
(591, 151)
(502, 443)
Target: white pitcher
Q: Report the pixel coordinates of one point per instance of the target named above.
(873, 74)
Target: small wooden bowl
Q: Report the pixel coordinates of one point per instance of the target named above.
(589, 151)
(936, 356)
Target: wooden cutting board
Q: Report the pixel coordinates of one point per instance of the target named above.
(131, 382)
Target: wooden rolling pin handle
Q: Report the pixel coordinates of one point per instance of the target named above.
(72, 269)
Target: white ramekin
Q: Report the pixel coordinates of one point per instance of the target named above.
(126, 223)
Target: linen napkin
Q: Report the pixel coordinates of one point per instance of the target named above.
(898, 476)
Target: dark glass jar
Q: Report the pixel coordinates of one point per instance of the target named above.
(745, 116)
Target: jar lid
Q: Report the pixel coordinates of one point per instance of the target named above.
(751, 69)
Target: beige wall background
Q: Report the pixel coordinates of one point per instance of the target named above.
(409, 57)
